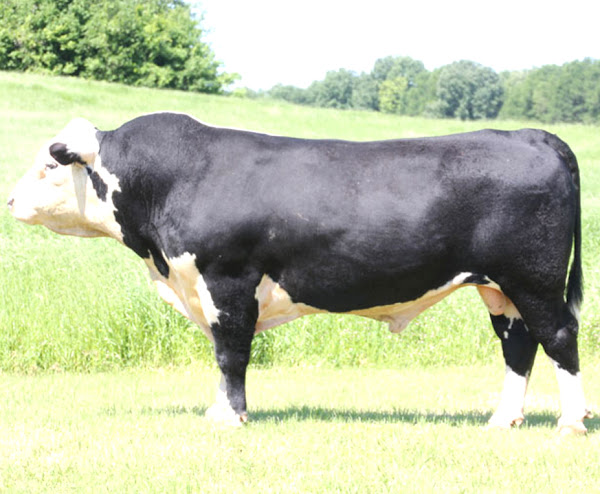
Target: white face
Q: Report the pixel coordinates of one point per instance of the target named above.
(62, 197)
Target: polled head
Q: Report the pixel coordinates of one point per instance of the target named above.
(67, 190)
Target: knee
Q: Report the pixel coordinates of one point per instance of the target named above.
(562, 348)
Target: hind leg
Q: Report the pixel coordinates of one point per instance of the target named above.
(553, 325)
(519, 349)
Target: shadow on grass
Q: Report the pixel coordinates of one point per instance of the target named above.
(320, 414)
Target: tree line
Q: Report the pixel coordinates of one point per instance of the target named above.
(464, 89)
(159, 43)
(153, 43)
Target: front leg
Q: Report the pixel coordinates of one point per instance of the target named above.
(233, 334)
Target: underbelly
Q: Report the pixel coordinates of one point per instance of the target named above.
(276, 306)
(187, 292)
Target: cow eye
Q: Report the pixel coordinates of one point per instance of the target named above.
(51, 166)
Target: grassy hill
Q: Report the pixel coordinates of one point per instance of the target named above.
(69, 303)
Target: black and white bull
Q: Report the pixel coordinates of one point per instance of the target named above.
(244, 231)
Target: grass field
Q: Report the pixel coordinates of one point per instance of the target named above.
(80, 304)
(311, 431)
(102, 386)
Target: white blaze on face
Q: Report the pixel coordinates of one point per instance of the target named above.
(62, 197)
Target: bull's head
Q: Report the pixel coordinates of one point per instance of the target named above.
(67, 189)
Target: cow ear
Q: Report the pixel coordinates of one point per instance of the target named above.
(61, 153)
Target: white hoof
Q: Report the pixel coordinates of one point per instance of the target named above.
(223, 414)
(505, 421)
(573, 427)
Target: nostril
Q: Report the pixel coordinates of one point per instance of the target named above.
(11, 202)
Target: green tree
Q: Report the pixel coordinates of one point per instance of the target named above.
(517, 95)
(292, 94)
(422, 93)
(156, 43)
(393, 95)
(394, 67)
(532, 94)
(577, 95)
(335, 91)
(541, 87)
(567, 93)
(43, 35)
(469, 91)
(364, 93)
(401, 85)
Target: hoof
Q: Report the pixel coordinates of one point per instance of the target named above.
(573, 429)
(225, 415)
(504, 423)
(568, 427)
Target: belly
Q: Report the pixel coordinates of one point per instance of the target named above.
(276, 306)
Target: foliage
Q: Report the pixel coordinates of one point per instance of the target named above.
(364, 93)
(393, 95)
(335, 91)
(570, 93)
(292, 94)
(469, 91)
(465, 90)
(154, 43)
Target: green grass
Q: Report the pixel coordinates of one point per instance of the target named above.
(84, 305)
(337, 403)
(311, 430)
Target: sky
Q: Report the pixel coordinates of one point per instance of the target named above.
(272, 42)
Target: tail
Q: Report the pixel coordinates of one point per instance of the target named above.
(575, 280)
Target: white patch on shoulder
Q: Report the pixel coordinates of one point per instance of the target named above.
(186, 290)
(164, 290)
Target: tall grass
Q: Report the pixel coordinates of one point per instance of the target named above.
(80, 304)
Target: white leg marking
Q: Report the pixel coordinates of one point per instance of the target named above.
(221, 412)
(512, 400)
(572, 402)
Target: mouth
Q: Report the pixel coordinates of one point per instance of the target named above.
(17, 213)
